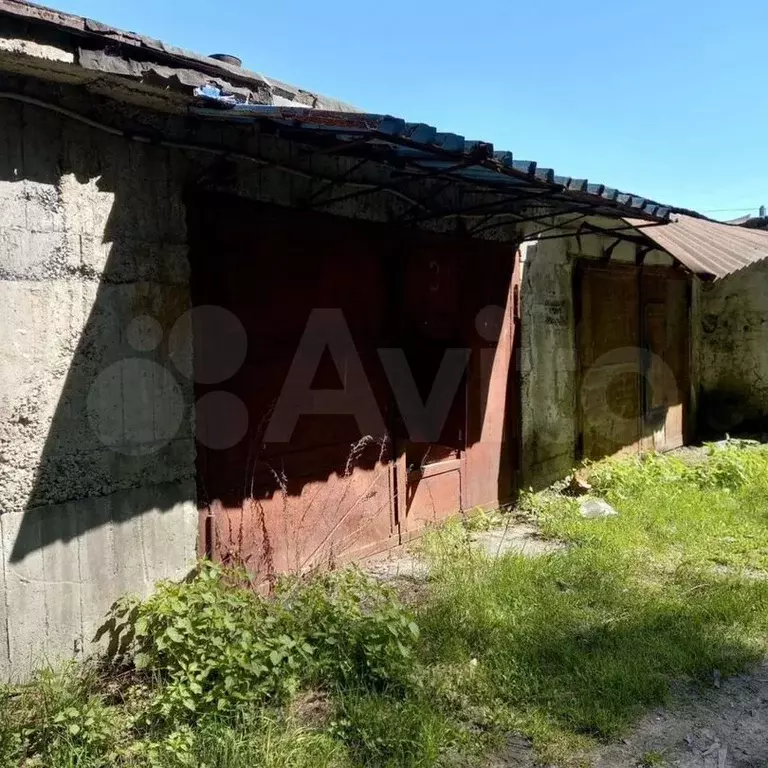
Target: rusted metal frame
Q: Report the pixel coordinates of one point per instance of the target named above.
(391, 187)
(628, 237)
(557, 207)
(641, 251)
(544, 197)
(506, 191)
(465, 211)
(337, 181)
(426, 201)
(560, 225)
(481, 225)
(597, 230)
(541, 217)
(506, 199)
(342, 146)
(511, 214)
(478, 230)
(484, 162)
(484, 226)
(490, 164)
(608, 252)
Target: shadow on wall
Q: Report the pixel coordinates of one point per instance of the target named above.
(98, 376)
(319, 297)
(735, 411)
(97, 426)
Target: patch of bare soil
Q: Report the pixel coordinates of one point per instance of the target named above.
(725, 727)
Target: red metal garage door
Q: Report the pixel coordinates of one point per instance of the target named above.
(291, 505)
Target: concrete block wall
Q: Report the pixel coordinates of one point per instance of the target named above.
(97, 490)
(732, 352)
(548, 363)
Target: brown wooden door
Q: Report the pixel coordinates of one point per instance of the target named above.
(664, 297)
(609, 359)
(633, 358)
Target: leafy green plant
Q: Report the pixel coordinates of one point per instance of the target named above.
(732, 466)
(60, 718)
(360, 631)
(213, 645)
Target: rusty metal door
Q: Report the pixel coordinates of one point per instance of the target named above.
(609, 359)
(633, 358)
(460, 295)
(429, 323)
(288, 505)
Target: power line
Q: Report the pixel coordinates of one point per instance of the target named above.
(731, 210)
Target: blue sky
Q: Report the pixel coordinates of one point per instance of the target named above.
(662, 98)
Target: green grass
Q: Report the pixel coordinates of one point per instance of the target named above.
(570, 648)
(567, 649)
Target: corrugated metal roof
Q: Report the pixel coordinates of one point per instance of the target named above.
(432, 150)
(709, 247)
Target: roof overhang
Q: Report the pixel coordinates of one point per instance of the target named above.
(708, 248)
(424, 152)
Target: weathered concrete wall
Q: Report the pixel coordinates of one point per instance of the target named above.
(96, 433)
(548, 363)
(549, 360)
(732, 352)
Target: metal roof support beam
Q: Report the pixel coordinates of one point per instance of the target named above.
(620, 232)
(608, 252)
(519, 219)
(430, 198)
(384, 187)
(336, 182)
(641, 251)
(538, 235)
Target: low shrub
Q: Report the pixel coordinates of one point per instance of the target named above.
(59, 719)
(212, 645)
(732, 466)
(215, 646)
(358, 629)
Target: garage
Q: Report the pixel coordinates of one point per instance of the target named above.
(374, 386)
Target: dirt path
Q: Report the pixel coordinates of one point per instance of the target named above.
(724, 727)
(715, 728)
